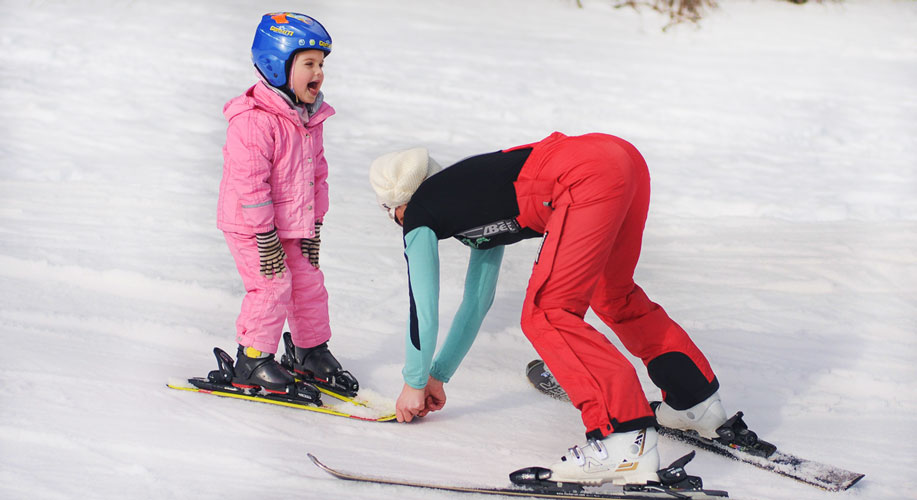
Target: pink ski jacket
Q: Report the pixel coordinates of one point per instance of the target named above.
(274, 168)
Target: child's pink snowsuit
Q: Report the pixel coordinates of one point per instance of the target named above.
(275, 176)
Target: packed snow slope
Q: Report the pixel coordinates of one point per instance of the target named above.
(782, 141)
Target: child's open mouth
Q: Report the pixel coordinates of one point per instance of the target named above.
(313, 87)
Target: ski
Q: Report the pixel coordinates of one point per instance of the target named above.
(539, 375)
(819, 474)
(738, 443)
(554, 491)
(342, 397)
(355, 409)
(299, 395)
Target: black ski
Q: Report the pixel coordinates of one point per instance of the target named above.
(556, 491)
(737, 443)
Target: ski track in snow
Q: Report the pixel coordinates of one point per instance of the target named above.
(782, 235)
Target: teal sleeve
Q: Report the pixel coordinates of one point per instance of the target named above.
(480, 288)
(421, 250)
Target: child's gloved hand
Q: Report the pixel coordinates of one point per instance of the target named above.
(310, 245)
(271, 252)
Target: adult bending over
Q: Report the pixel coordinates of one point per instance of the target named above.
(587, 198)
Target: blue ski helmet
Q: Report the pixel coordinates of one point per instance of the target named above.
(279, 36)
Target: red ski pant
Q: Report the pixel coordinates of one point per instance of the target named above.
(587, 259)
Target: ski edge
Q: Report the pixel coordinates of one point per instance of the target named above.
(394, 482)
(316, 409)
(507, 491)
(342, 397)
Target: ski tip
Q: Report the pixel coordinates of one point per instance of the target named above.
(317, 463)
(178, 383)
(325, 468)
(853, 481)
(533, 363)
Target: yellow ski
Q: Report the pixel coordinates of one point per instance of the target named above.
(363, 408)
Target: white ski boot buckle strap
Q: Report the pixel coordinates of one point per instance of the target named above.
(619, 458)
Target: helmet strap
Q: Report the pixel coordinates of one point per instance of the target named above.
(287, 91)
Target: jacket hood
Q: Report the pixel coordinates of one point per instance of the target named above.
(259, 96)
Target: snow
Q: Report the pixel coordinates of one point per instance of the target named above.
(783, 234)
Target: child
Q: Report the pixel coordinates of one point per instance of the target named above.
(273, 197)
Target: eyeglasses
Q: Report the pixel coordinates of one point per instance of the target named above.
(391, 213)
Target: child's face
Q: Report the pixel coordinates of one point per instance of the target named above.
(306, 74)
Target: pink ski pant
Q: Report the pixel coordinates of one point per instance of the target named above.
(298, 297)
(590, 250)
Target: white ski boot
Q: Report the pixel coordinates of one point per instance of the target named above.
(704, 417)
(619, 458)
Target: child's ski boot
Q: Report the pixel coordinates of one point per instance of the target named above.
(255, 370)
(317, 366)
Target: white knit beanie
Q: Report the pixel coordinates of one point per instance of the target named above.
(395, 176)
